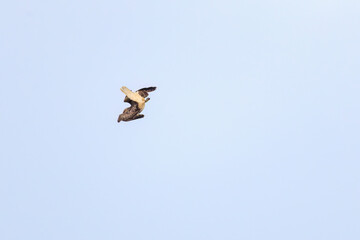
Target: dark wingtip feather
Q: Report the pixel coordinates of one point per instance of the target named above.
(148, 89)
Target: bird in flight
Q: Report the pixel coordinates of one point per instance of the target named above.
(137, 101)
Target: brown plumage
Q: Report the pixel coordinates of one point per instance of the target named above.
(137, 101)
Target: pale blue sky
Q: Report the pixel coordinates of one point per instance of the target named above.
(253, 132)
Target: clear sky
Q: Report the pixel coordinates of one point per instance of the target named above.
(253, 132)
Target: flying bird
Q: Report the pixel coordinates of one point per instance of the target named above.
(137, 101)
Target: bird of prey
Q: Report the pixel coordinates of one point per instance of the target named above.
(137, 101)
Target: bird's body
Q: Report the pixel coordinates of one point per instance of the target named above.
(137, 101)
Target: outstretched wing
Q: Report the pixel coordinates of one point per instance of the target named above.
(144, 92)
(148, 89)
(129, 113)
(133, 96)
